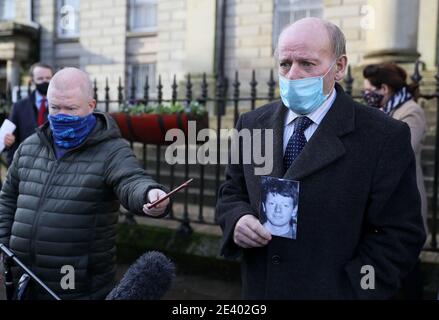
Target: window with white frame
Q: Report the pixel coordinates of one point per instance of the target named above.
(137, 74)
(143, 15)
(289, 11)
(67, 17)
(7, 9)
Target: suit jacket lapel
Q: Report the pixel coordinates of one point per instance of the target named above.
(274, 120)
(325, 145)
(33, 109)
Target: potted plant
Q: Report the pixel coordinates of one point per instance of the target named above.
(149, 123)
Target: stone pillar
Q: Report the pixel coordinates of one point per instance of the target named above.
(393, 31)
(13, 73)
(45, 17)
(200, 46)
(427, 33)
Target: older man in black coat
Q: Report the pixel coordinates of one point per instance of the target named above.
(359, 229)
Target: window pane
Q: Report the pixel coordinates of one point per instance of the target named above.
(315, 3)
(305, 4)
(7, 9)
(289, 11)
(139, 72)
(283, 20)
(297, 15)
(282, 3)
(143, 14)
(68, 18)
(316, 13)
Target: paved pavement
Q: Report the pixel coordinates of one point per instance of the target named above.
(198, 287)
(188, 287)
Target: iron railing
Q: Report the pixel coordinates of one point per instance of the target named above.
(222, 98)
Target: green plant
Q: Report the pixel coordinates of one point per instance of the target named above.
(194, 107)
(5, 107)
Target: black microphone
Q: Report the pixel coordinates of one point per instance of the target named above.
(149, 278)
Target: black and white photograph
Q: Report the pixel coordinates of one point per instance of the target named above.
(279, 206)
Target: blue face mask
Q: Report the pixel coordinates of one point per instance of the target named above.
(70, 131)
(303, 96)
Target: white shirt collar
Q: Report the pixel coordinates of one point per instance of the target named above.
(317, 115)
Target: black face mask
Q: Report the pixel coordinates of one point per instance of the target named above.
(372, 98)
(42, 88)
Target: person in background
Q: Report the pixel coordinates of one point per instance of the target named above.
(385, 87)
(30, 112)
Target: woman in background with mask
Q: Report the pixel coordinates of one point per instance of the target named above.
(385, 87)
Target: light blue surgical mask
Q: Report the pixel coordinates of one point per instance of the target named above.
(303, 96)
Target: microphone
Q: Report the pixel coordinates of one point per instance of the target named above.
(149, 278)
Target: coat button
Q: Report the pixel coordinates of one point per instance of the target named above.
(275, 259)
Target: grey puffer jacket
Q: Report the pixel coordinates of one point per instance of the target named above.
(55, 213)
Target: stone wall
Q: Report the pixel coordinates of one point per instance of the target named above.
(249, 28)
(347, 14)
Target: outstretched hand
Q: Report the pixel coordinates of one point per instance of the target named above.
(153, 195)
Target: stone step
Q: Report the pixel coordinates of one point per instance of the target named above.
(429, 139)
(427, 153)
(428, 168)
(194, 189)
(179, 177)
(194, 169)
(430, 114)
(193, 197)
(428, 181)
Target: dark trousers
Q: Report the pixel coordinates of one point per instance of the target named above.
(412, 286)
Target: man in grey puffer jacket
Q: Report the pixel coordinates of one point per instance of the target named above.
(59, 204)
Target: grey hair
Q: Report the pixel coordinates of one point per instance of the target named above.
(336, 39)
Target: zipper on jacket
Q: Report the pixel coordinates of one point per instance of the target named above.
(38, 213)
(43, 194)
(49, 145)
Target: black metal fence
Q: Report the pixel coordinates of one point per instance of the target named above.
(225, 103)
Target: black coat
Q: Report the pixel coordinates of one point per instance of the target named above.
(24, 116)
(64, 212)
(358, 205)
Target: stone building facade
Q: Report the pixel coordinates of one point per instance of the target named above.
(132, 39)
